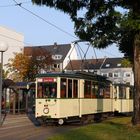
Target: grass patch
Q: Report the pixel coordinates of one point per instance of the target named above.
(114, 129)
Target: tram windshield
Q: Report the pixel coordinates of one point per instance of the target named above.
(47, 89)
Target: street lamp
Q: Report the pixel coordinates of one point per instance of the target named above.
(3, 48)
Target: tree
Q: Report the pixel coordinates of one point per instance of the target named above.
(126, 63)
(18, 66)
(25, 67)
(40, 61)
(104, 22)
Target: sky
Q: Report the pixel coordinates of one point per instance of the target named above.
(39, 32)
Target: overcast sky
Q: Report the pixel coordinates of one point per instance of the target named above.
(57, 26)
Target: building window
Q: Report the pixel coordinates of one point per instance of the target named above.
(118, 65)
(127, 74)
(110, 75)
(105, 74)
(56, 57)
(107, 65)
(116, 74)
(55, 65)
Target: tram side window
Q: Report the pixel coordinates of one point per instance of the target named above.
(75, 88)
(87, 89)
(63, 88)
(122, 92)
(39, 92)
(94, 92)
(69, 88)
(115, 92)
(131, 93)
(101, 92)
(107, 92)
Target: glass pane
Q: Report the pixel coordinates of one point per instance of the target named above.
(75, 88)
(122, 92)
(63, 88)
(47, 90)
(69, 88)
(87, 89)
(94, 93)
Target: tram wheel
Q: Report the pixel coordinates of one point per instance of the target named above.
(60, 121)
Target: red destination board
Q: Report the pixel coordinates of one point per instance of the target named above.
(46, 79)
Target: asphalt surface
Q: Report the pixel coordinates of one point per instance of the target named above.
(26, 127)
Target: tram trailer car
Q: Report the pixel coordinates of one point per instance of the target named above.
(62, 97)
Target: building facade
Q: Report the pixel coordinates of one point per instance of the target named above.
(61, 54)
(112, 68)
(14, 41)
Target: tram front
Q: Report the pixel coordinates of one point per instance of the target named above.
(46, 97)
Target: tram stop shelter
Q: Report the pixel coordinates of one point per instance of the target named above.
(16, 97)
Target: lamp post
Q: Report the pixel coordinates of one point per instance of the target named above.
(3, 48)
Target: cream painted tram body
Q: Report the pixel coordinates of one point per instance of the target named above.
(62, 96)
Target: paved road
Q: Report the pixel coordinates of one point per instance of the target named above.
(25, 127)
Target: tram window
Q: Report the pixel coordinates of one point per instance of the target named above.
(94, 90)
(131, 93)
(122, 92)
(107, 92)
(87, 89)
(101, 93)
(115, 92)
(63, 88)
(75, 88)
(47, 90)
(39, 91)
(69, 88)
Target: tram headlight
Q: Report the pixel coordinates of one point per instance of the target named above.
(46, 110)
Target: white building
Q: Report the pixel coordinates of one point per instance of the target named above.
(14, 41)
(61, 54)
(111, 68)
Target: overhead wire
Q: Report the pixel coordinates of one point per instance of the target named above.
(48, 22)
(58, 28)
(5, 36)
(20, 5)
(13, 5)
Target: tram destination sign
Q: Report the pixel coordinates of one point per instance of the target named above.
(46, 79)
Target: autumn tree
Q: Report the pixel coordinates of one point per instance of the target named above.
(18, 66)
(104, 22)
(40, 60)
(25, 67)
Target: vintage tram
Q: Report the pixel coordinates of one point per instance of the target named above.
(67, 96)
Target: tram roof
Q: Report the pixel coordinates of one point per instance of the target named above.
(75, 74)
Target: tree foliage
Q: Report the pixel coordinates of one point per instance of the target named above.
(26, 67)
(18, 65)
(104, 22)
(100, 21)
(126, 63)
